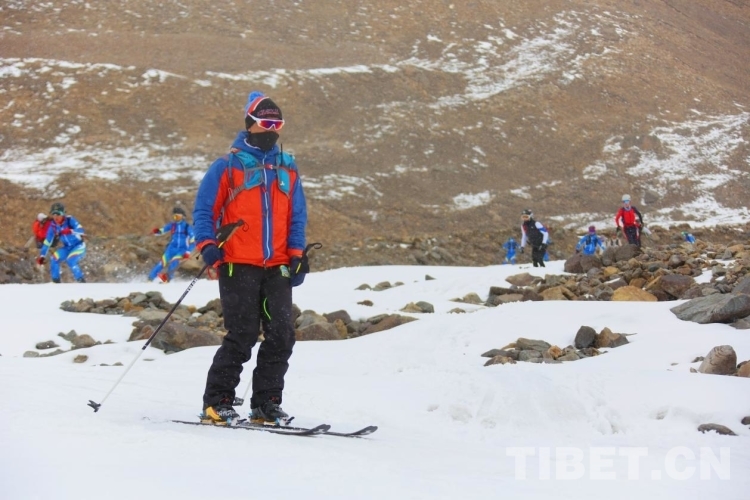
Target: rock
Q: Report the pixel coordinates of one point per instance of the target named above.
(319, 331)
(53, 353)
(83, 341)
(721, 360)
(500, 360)
(719, 429)
(573, 264)
(46, 345)
(527, 355)
(425, 307)
(365, 303)
(554, 293)
(340, 314)
(589, 262)
(411, 307)
(506, 299)
(606, 338)
(626, 252)
(744, 370)
(496, 352)
(717, 308)
(571, 356)
(456, 310)
(554, 352)
(383, 285)
(390, 321)
(523, 279)
(471, 298)
(363, 286)
(31, 354)
(176, 337)
(746, 420)
(308, 318)
(150, 314)
(81, 358)
(524, 344)
(585, 337)
(68, 336)
(742, 286)
(632, 294)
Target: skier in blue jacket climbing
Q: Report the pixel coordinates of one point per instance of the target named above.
(178, 249)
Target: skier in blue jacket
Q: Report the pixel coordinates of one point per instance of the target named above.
(68, 233)
(510, 247)
(689, 238)
(179, 248)
(590, 242)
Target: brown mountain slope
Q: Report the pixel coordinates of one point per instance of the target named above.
(427, 119)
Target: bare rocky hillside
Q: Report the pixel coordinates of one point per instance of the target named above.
(409, 120)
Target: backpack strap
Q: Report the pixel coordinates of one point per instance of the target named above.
(253, 174)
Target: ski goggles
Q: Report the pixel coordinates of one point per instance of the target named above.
(267, 123)
(57, 213)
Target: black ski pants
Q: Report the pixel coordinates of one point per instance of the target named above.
(537, 255)
(633, 235)
(244, 289)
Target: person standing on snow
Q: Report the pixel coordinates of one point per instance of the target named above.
(65, 230)
(590, 242)
(630, 221)
(510, 247)
(260, 185)
(179, 248)
(536, 234)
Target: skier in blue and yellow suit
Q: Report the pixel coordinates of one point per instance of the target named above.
(179, 248)
(66, 231)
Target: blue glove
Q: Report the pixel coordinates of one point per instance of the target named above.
(298, 268)
(212, 254)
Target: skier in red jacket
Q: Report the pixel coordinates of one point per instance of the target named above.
(630, 221)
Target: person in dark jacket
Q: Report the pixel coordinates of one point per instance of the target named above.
(181, 243)
(536, 235)
(66, 231)
(258, 266)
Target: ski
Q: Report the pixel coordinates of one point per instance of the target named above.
(297, 431)
(365, 431)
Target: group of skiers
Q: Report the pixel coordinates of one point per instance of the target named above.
(60, 239)
(628, 221)
(255, 189)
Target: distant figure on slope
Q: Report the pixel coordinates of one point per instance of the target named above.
(39, 227)
(689, 238)
(178, 249)
(590, 243)
(259, 184)
(510, 247)
(630, 221)
(68, 232)
(536, 234)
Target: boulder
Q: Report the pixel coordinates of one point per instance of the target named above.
(716, 308)
(721, 360)
(585, 337)
(319, 331)
(632, 294)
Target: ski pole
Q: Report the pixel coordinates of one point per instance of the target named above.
(221, 236)
(312, 246)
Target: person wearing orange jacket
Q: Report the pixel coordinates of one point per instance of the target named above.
(630, 221)
(257, 268)
(40, 227)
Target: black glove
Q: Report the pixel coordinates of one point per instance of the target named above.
(298, 268)
(212, 254)
(521, 249)
(543, 247)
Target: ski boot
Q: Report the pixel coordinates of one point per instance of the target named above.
(269, 413)
(220, 414)
(55, 280)
(162, 277)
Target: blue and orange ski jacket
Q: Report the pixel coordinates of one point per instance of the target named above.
(265, 191)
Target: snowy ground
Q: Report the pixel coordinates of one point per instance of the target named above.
(620, 425)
